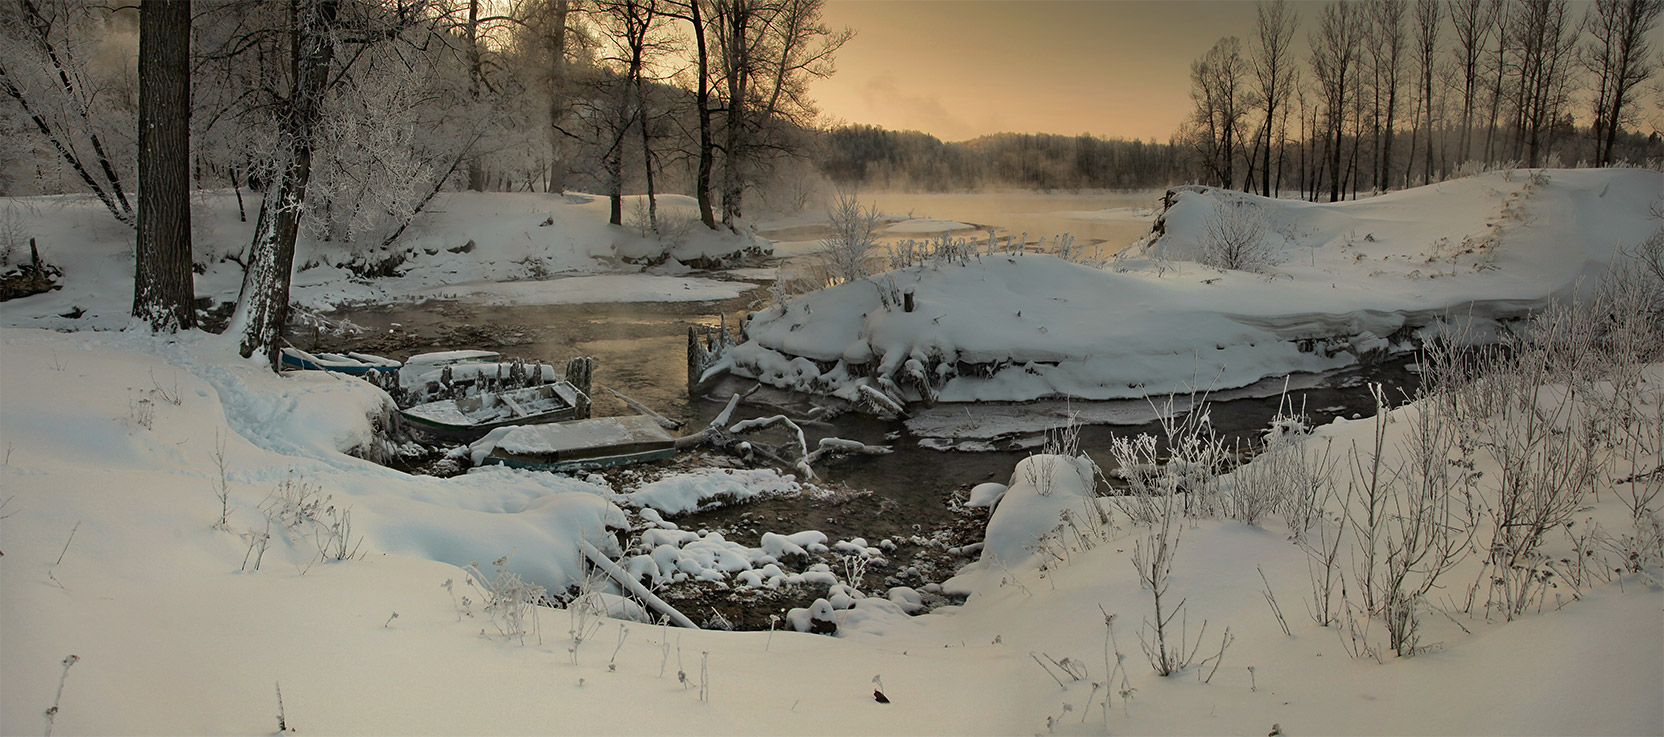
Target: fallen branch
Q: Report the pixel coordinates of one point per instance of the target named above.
(629, 582)
(642, 409)
(802, 444)
(881, 402)
(831, 446)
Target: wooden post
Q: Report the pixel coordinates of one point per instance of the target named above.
(907, 299)
(579, 373)
(696, 358)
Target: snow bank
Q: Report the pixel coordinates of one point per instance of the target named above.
(683, 493)
(157, 411)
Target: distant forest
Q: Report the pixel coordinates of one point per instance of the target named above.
(872, 157)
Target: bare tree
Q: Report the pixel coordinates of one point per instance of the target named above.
(1473, 23)
(1497, 72)
(1387, 51)
(1426, 48)
(1216, 86)
(768, 50)
(1334, 58)
(1546, 36)
(1621, 41)
(1274, 73)
(163, 294)
(693, 12)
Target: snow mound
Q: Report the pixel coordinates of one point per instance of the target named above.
(707, 488)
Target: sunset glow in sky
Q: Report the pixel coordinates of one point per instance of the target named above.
(959, 69)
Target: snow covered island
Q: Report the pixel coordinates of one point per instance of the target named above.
(1325, 285)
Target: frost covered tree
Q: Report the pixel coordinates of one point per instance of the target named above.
(853, 236)
(1233, 235)
(163, 295)
(296, 95)
(54, 68)
(263, 304)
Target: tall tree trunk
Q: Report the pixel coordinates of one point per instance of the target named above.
(163, 292)
(738, 81)
(646, 156)
(1335, 183)
(263, 306)
(707, 156)
(476, 71)
(558, 10)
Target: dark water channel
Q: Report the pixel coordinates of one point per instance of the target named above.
(641, 351)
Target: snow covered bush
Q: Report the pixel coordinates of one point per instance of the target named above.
(1195, 455)
(1233, 236)
(854, 235)
(1286, 477)
(510, 601)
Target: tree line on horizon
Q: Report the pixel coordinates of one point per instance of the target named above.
(1392, 93)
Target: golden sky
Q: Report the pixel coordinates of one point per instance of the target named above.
(958, 69)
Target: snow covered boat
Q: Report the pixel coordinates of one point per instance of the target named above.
(356, 364)
(470, 417)
(580, 444)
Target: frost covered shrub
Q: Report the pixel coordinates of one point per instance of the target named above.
(1195, 457)
(1233, 236)
(854, 234)
(510, 601)
(1285, 477)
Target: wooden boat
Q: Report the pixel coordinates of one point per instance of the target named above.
(471, 417)
(356, 364)
(583, 444)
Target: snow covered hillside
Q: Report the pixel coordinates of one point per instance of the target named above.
(1335, 283)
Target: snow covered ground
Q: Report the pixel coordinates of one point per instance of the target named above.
(382, 603)
(112, 554)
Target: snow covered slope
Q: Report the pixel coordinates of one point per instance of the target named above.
(1349, 279)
